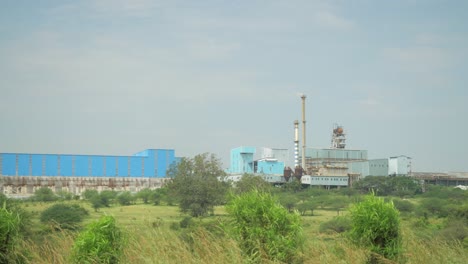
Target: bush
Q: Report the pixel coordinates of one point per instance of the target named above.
(64, 215)
(44, 194)
(101, 242)
(265, 229)
(338, 224)
(10, 223)
(125, 198)
(376, 224)
(403, 206)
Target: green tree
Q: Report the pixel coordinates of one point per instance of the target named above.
(64, 196)
(125, 198)
(101, 242)
(380, 185)
(195, 184)
(293, 185)
(434, 206)
(96, 202)
(107, 197)
(337, 203)
(159, 195)
(265, 229)
(289, 201)
(88, 194)
(144, 195)
(64, 215)
(376, 224)
(248, 182)
(44, 194)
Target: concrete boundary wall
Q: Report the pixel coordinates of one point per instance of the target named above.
(24, 186)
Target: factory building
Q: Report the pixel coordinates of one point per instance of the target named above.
(23, 173)
(399, 166)
(148, 163)
(271, 161)
(242, 160)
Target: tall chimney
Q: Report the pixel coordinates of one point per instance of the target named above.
(303, 97)
(296, 143)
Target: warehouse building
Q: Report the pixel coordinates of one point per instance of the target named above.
(22, 173)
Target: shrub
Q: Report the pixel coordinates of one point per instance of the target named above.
(64, 215)
(376, 224)
(265, 229)
(125, 198)
(403, 206)
(44, 194)
(101, 242)
(338, 224)
(10, 223)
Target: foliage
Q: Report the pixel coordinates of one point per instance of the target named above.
(195, 184)
(434, 206)
(288, 200)
(338, 224)
(107, 197)
(65, 216)
(399, 186)
(89, 194)
(248, 182)
(159, 195)
(101, 242)
(376, 224)
(100, 200)
(293, 185)
(125, 198)
(144, 195)
(337, 203)
(455, 229)
(308, 205)
(10, 225)
(265, 229)
(44, 194)
(64, 196)
(403, 206)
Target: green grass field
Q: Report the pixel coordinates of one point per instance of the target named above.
(151, 240)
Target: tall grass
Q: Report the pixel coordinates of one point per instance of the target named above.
(151, 240)
(165, 246)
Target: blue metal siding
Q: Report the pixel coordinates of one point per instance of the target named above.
(81, 166)
(143, 153)
(36, 161)
(23, 165)
(97, 166)
(270, 167)
(149, 167)
(9, 164)
(136, 166)
(111, 166)
(123, 166)
(66, 165)
(51, 165)
(161, 163)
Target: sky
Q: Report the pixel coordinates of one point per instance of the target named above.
(114, 77)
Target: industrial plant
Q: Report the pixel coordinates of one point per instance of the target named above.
(334, 167)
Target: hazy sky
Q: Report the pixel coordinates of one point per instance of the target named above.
(116, 77)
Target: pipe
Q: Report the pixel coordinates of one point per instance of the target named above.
(296, 143)
(303, 97)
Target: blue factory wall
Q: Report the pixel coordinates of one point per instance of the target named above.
(148, 163)
(242, 160)
(270, 167)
